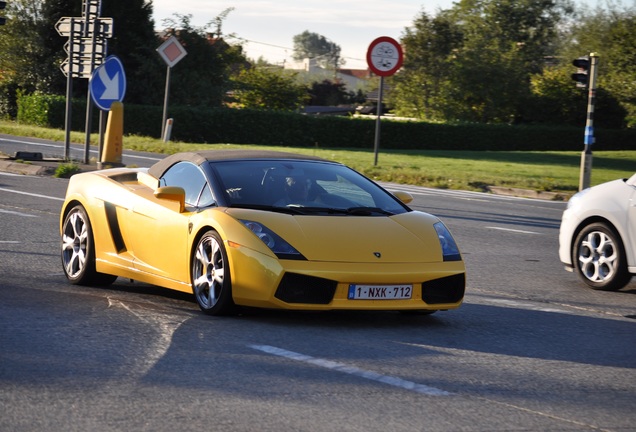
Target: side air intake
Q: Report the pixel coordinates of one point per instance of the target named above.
(444, 290)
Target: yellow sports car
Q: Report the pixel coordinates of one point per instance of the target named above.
(259, 229)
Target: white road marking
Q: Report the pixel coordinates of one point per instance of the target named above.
(352, 370)
(142, 157)
(33, 143)
(31, 194)
(555, 307)
(513, 230)
(529, 306)
(17, 213)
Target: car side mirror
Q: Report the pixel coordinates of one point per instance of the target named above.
(172, 193)
(405, 197)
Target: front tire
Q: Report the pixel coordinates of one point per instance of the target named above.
(78, 250)
(210, 273)
(599, 258)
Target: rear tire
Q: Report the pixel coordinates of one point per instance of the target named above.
(599, 258)
(210, 274)
(78, 250)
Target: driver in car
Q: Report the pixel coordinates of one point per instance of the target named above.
(296, 192)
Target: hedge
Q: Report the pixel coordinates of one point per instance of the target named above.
(242, 126)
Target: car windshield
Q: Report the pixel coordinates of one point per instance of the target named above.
(303, 187)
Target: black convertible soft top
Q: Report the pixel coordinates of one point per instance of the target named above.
(204, 156)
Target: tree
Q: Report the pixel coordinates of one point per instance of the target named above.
(52, 80)
(202, 78)
(23, 52)
(329, 93)
(420, 85)
(474, 61)
(555, 97)
(33, 50)
(504, 43)
(265, 88)
(611, 33)
(314, 46)
(608, 32)
(135, 42)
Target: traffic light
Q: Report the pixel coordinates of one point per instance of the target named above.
(581, 77)
(3, 5)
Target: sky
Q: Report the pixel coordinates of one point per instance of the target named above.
(267, 27)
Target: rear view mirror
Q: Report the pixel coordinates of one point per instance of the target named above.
(172, 193)
(405, 197)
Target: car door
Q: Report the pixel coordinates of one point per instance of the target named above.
(161, 248)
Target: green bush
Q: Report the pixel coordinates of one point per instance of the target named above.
(66, 170)
(244, 126)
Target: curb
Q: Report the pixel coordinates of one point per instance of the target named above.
(25, 168)
(525, 193)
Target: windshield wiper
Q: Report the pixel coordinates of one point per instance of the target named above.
(287, 210)
(300, 210)
(351, 211)
(368, 211)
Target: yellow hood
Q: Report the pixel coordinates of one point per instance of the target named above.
(405, 238)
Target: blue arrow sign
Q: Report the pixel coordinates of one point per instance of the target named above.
(108, 83)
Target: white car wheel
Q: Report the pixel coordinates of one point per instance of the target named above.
(211, 282)
(78, 250)
(599, 258)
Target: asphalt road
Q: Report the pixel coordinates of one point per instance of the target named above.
(530, 350)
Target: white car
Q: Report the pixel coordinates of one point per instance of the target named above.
(597, 239)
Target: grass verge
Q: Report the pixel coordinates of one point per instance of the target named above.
(552, 171)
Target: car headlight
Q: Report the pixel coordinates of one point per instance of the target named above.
(280, 247)
(450, 251)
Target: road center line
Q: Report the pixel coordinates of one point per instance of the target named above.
(352, 370)
(31, 194)
(513, 230)
(528, 306)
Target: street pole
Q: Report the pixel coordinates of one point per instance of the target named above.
(376, 146)
(165, 105)
(69, 97)
(586, 155)
(89, 103)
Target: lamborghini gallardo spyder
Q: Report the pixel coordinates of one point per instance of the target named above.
(259, 229)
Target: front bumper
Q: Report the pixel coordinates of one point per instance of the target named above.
(306, 285)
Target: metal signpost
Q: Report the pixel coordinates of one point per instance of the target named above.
(586, 78)
(171, 51)
(384, 57)
(86, 49)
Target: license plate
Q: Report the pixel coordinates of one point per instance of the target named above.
(380, 292)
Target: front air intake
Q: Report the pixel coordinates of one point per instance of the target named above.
(444, 290)
(297, 288)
